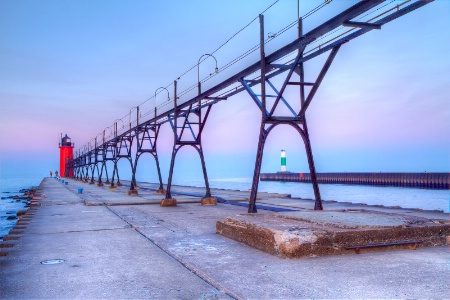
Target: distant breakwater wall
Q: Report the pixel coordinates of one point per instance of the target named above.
(440, 181)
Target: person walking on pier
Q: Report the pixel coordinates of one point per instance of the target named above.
(51, 174)
(56, 174)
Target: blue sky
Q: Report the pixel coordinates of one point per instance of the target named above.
(76, 66)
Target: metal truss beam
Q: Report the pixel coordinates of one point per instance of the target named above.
(361, 25)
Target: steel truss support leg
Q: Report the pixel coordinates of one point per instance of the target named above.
(259, 156)
(207, 199)
(106, 171)
(133, 187)
(113, 186)
(122, 144)
(312, 169)
(146, 138)
(100, 174)
(133, 172)
(169, 200)
(264, 115)
(205, 174)
(86, 174)
(117, 172)
(172, 165)
(297, 120)
(180, 140)
(160, 190)
(169, 181)
(92, 173)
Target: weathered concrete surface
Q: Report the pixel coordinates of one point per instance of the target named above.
(148, 251)
(93, 195)
(104, 257)
(298, 234)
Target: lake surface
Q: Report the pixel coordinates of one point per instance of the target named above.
(10, 186)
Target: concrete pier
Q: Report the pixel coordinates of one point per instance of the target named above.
(105, 244)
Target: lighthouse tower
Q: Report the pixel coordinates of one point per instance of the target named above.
(65, 154)
(283, 161)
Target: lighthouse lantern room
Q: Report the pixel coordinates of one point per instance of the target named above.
(65, 155)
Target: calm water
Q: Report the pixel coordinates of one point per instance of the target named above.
(388, 196)
(10, 186)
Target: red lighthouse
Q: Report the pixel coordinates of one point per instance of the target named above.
(65, 155)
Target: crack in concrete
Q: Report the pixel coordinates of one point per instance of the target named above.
(184, 263)
(90, 230)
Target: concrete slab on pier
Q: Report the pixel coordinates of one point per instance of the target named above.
(118, 250)
(299, 234)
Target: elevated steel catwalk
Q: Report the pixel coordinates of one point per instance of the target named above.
(275, 69)
(258, 73)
